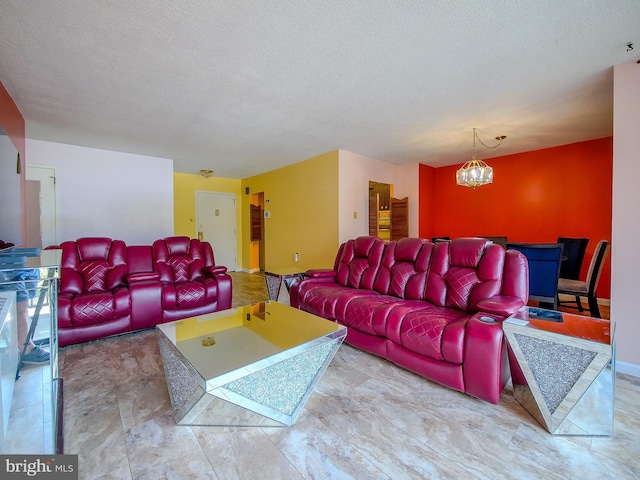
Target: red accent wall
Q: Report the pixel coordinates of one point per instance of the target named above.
(535, 196)
(426, 201)
(13, 123)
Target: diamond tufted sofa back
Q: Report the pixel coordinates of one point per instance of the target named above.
(463, 272)
(359, 262)
(181, 259)
(403, 269)
(93, 294)
(191, 282)
(100, 264)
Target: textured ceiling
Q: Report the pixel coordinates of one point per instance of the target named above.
(244, 87)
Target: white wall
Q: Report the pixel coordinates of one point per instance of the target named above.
(354, 173)
(103, 193)
(625, 238)
(11, 211)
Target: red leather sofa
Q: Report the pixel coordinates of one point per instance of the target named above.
(107, 288)
(425, 306)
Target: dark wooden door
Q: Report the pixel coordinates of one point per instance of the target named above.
(399, 218)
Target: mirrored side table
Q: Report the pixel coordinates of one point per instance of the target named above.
(563, 369)
(276, 278)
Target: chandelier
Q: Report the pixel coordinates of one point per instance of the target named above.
(206, 173)
(475, 172)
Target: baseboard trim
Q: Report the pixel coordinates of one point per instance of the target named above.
(628, 368)
(250, 270)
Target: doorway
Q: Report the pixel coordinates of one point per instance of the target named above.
(41, 207)
(379, 209)
(216, 224)
(257, 238)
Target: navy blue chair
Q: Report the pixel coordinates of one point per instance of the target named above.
(544, 270)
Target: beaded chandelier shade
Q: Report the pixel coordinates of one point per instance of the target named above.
(475, 173)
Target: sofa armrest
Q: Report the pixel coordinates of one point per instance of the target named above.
(146, 301)
(321, 273)
(486, 366)
(215, 270)
(141, 277)
(310, 277)
(500, 305)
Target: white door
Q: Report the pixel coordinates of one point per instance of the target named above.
(47, 211)
(216, 224)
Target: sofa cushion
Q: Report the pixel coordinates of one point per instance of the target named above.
(359, 262)
(360, 313)
(190, 294)
(436, 333)
(94, 274)
(325, 300)
(378, 315)
(98, 307)
(460, 282)
(463, 272)
(403, 269)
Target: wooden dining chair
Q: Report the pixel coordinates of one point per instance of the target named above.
(544, 270)
(578, 289)
(574, 250)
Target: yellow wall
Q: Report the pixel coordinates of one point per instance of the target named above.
(185, 187)
(302, 200)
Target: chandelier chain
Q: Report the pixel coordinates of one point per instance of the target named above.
(475, 135)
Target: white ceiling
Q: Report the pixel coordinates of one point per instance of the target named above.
(244, 87)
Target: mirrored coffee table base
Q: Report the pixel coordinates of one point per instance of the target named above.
(260, 369)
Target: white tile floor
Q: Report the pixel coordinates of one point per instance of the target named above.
(366, 419)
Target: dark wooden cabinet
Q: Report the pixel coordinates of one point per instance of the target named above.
(256, 223)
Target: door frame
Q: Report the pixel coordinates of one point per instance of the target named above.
(53, 201)
(235, 225)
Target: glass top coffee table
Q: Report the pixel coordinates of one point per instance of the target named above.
(563, 369)
(250, 366)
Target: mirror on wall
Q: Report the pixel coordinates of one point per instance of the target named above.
(10, 197)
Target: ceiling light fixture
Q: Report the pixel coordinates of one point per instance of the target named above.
(206, 173)
(475, 172)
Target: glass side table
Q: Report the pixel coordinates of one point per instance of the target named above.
(563, 369)
(35, 422)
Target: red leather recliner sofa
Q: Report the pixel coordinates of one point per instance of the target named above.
(107, 288)
(420, 304)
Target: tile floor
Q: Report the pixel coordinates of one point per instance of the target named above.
(367, 419)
